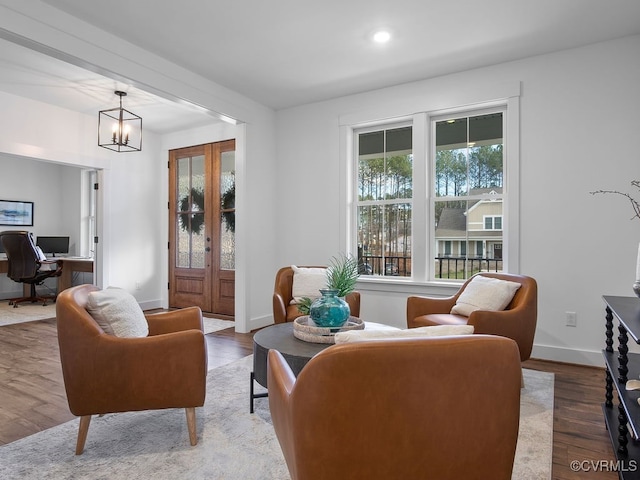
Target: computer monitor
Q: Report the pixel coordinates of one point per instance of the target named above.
(53, 245)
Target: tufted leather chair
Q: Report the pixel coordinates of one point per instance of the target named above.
(283, 311)
(433, 408)
(106, 374)
(517, 321)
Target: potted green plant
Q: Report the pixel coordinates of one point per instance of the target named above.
(342, 275)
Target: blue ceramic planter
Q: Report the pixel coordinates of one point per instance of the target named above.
(329, 310)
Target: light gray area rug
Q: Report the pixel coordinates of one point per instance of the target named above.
(35, 311)
(232, 443)
(26, 312)
(210, 325)
(534, 454)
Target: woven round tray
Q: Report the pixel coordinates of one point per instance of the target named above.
(304, 329)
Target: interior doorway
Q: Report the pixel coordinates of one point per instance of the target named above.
(202, 227)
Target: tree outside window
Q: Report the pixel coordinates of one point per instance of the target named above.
(384, 203)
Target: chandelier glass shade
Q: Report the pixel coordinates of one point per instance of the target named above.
(119, 129)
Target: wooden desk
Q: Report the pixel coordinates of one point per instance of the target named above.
(69, 265)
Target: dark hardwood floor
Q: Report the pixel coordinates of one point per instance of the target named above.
(32, 396)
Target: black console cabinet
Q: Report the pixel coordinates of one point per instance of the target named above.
(623, 420)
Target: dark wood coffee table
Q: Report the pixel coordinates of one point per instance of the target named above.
(279, 337)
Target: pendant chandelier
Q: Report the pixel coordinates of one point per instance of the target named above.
(119, 129)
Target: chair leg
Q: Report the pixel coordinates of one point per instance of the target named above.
(82, 433)
(32, 298)
(191, 425)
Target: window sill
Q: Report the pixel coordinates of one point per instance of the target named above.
(401, 285)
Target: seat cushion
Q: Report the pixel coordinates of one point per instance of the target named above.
(351, 336)
(485, 293)
(117, 312)
(440, 319)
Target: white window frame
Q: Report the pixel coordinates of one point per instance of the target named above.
(505, 95)
(382, 203)
(88, 227)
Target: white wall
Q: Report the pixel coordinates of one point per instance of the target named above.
(135, 207)
(579, 119)
(54, 190)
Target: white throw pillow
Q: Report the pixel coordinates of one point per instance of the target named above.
(307, 282)
(351, 336)
(485, 293)
(117, 312)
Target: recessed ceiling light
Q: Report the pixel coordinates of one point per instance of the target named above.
(381, 36)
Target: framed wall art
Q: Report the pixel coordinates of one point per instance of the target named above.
(16, 213)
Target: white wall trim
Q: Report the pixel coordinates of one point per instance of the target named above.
(257, 322)
(464, 98)
(568, 355)
(512, 174)
(503, 96)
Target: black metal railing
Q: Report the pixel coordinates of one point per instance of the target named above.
(395, 266)
(463, 267)
(445, 267)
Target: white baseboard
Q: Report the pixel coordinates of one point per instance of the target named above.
(255, 323)
(568, 355)
(8, 295)
(150, 304)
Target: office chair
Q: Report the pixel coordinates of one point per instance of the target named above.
(25, 265)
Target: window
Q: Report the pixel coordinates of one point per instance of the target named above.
(467, 193)
(429, 193)
(493, 223)
(384, 200)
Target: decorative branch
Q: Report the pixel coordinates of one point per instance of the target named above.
(634, 203)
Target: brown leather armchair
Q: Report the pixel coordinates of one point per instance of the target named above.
(106, 374)
(432, 408)
(517, 321)
(283, 311)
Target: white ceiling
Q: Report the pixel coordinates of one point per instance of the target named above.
(284, 53)
(30, 74)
